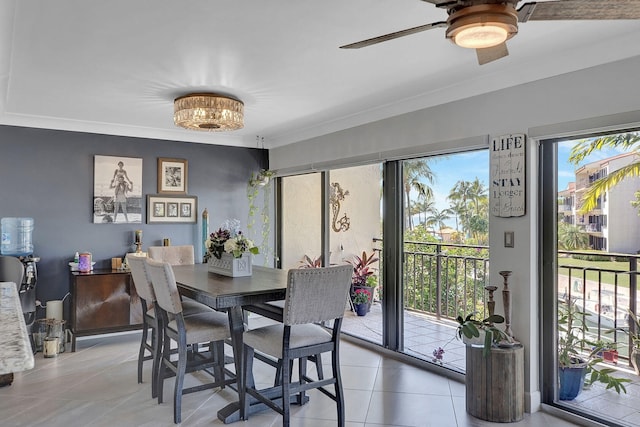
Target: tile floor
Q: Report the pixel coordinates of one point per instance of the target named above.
(424, 333)
(96, 386)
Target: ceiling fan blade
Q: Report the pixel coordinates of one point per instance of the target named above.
(391, 36)
(579, 9)
(493, 53)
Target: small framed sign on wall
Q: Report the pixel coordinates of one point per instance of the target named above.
(507, 173)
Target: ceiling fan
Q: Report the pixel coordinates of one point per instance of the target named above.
(485, 25)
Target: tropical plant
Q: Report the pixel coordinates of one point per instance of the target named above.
(470, 327)
(414, 173)
(574, 348)
(571, 237)
(362, 268)
(311, 263)
(585, 147)
(438, 218)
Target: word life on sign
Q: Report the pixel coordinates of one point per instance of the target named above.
(507, 188)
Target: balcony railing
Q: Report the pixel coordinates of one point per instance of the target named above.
(445, 280)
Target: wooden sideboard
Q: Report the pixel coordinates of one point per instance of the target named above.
(103, 301)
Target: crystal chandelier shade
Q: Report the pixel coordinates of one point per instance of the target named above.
(208, 112)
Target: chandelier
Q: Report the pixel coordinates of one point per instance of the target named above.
(208, 111)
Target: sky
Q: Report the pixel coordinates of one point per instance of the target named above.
(467, 166)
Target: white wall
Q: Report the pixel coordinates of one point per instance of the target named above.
(590, 99)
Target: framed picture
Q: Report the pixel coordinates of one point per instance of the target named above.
(163, 209)
(117, 190)
(172, 176)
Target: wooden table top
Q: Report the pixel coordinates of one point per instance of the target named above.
(221, 292)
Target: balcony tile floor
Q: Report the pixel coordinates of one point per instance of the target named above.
(96, 386)
(424, 333)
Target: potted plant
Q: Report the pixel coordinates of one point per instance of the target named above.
(363, 271)
(607, 350)
(634, 337)
(575, 362)
(361, 299)
(482, 333)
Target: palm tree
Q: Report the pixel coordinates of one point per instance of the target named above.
(477, 193)
(571, 237)
(437, 219)
(414, 172)
(626, 141)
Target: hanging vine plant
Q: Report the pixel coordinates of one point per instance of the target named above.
(260, 182)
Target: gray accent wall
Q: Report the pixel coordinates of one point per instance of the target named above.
(48, 175)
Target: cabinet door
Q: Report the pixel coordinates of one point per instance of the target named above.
(101, 301)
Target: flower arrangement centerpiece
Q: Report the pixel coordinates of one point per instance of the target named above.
(229, 251)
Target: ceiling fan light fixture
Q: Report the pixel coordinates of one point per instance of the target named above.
(482, 26)
(208, 112)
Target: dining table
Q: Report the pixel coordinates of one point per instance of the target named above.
(234, 295)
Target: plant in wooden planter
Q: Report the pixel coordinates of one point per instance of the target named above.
(578, 356)
(480, 332)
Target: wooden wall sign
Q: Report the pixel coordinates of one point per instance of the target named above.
(507, 189)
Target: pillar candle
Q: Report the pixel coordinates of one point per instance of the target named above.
(138, 236)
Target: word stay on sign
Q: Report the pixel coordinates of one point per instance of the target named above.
(507, 184)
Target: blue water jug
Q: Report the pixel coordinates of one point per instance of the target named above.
(17, 236)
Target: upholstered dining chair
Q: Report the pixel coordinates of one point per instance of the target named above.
(174, 255)
(11, 270)
(151, 320)
(187, 331)
(313, 296)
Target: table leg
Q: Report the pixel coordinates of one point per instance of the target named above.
(231, 412)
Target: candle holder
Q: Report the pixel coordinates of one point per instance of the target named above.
(138, 241)
(506, 300)
(491, 304)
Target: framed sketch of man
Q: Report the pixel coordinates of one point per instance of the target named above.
(172, 176)
(117, 190)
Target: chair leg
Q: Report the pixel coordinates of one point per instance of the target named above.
(177, 393)
(166, 354)
(156, 342)
(143, 345)
(318, 359)
(302, 372)
(335, 365)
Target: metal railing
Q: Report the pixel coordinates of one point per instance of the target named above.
(446, 280)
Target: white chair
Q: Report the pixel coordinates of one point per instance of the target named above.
(313, 296)
(187, 331)
(174, 255)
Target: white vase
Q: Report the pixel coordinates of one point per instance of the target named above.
(227, 265)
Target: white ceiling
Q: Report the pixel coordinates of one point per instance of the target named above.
(114, 67)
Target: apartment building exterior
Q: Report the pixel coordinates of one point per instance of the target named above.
(613, 225)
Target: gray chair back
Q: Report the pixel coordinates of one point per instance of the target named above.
(164, 286)
(140, 278)
(316, 294)
(11, 270)
(174, 255)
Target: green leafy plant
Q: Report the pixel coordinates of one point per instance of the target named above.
(470, 327)
(362, 268)
(575, 349)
